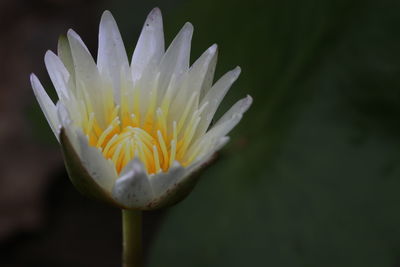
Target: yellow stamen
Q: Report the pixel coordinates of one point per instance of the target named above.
(155, 141)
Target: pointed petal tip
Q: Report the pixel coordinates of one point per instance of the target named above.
(106, 13)
(32, 76)
(245, 104)
(106, 16)
(188, 27)
(234, 74)
(137, 165)
(48, 52)
(154, 17)
(154, 13)
(185, 33)
(238, 70)
(73, 34)
(212, 49)
(48, 55)
(134, 166)
(249, 99)
(35, 82)
(70, 32)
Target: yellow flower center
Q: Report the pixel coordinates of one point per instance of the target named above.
(152, 139)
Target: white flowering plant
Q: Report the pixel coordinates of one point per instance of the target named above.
(134, 134)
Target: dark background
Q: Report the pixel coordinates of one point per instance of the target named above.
(311, 176)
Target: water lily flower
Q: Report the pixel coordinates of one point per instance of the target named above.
(134, 134)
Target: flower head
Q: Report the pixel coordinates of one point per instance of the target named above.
(133, 134)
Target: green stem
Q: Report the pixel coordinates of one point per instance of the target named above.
(132, 238)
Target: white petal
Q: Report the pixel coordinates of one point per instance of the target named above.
(85, 67)
(87, 75)
(63, 115)
(224, 125)
(133, 189)
(165, 181)
(200, 68)
(58, 74)
(64, 53)
(176, 59)
(150, 46)
(98, 167)
(207, 142)
(77, 38)
(64, 118)
(239, 107)
(63, 84)
(214, 98)
(209, 76)
(198, 72)
(223, 128)
(46, 105)
(111, 58)
(204, 158)
(193, 83)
